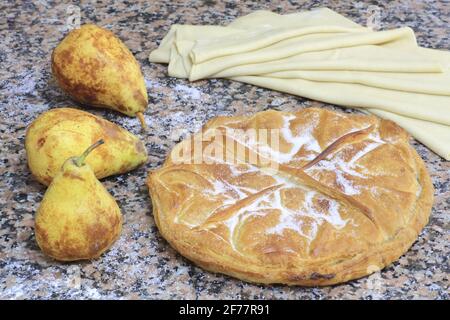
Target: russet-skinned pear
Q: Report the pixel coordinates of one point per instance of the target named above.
(95, 67)
(77, 219)
(61, 133)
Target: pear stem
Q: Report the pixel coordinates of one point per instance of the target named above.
(142, 120)
(80, 160)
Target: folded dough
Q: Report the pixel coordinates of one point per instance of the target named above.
(324, 56)
(310, 41)
(362, 58)
(434, 108)
(433, 135)
(409, 82)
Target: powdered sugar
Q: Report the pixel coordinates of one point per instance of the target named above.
(244, 168)
(345, 168)
(188, 92)
(272, 201)
(291, 219)
(303, 138)
(152, 84)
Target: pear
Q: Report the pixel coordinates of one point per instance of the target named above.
(77, 218)
(95, 67)
(65, 132)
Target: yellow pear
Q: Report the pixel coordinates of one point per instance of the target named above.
(77, 218)
(95, 67)
(61, 133)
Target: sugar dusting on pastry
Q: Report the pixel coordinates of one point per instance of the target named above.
(288, 218)
(345, 168)
(345, 187)
(304, 139)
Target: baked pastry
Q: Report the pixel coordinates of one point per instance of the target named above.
(329, 197)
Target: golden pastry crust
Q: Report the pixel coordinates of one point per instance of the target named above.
(348, 196)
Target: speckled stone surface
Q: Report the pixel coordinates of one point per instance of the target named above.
(141, 264)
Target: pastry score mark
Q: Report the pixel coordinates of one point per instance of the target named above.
(337, 144)
(343, 168)
(240, 204)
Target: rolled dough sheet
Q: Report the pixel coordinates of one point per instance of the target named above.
(287, 48)
(426, 83)
(434, 108)
(373, 58)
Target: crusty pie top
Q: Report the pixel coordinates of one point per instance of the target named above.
(336, 197)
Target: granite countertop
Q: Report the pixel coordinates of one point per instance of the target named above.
(141, 264)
